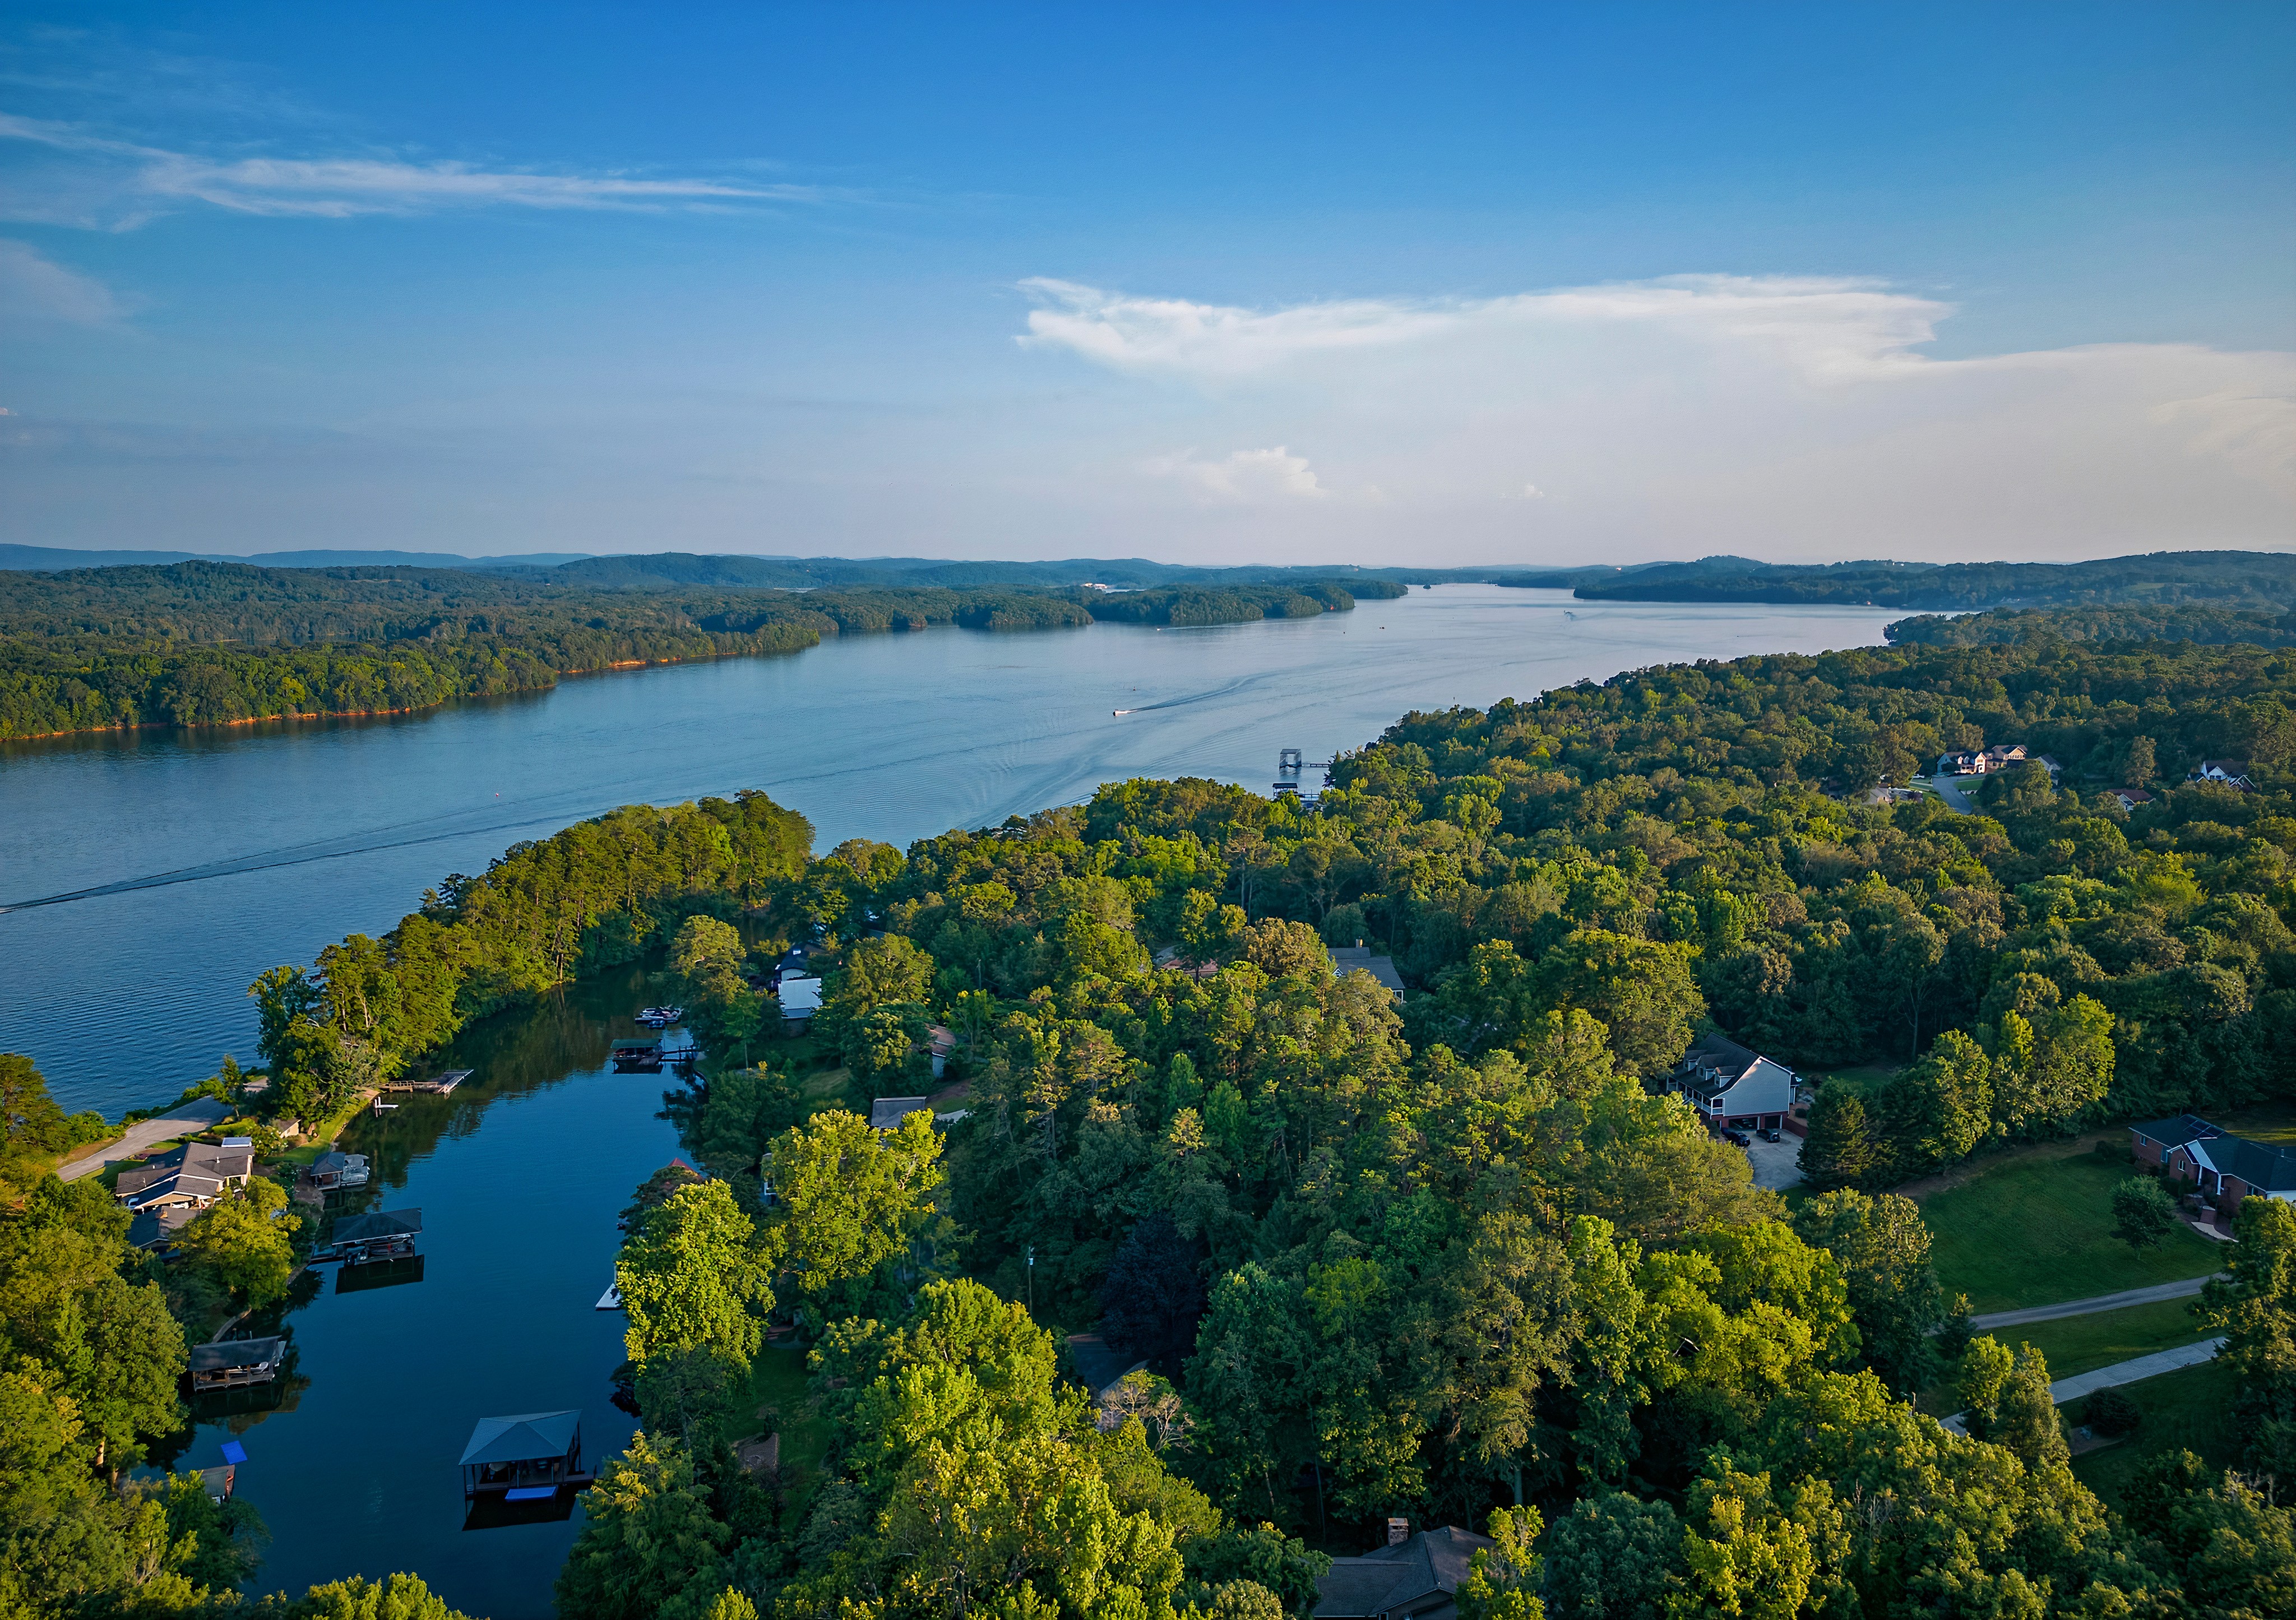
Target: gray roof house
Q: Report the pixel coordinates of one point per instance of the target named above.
(886, 1113)
(1357, 959)
(193, 1176)
(1725, 1081)
(1416, 1578)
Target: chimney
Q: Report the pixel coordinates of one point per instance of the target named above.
(1399, 1531)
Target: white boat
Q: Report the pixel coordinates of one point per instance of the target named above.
(1120, 711)
(611, 1299)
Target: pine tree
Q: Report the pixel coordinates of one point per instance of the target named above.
(1838, 1151)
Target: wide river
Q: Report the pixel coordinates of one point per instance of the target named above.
(148, 877)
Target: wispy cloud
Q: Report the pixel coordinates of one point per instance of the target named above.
(36, 288)
(97, 179)
(1832, 326)
(1248, 476)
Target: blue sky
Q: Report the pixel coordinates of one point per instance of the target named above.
(1432, 284)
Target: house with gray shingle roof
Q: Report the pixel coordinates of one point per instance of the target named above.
(1416, 1578)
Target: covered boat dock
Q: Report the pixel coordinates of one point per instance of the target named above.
(527, 1457)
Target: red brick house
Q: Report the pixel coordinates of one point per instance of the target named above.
(2224, 1168)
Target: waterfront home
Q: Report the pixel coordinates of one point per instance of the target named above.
(2226, 1169)
(192, 1177)
(2229, 773)
(887, 1112)
(329, 1171)
(1732, 1087)
(1984, 762)
(1416, 1576)
(154, 1231)
(1358, 958)
(800, 1000)
(2131, 798)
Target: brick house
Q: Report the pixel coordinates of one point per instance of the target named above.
(2224, 1168)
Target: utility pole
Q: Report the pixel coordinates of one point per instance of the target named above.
(1032, 1280)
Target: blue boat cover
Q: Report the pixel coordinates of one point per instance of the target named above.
(527, 1437)
(234, 1451)
(530, 1493)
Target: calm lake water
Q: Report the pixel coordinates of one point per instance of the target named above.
(149, 877)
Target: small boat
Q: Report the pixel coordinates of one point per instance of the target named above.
(611, 1299)
(1120, 711)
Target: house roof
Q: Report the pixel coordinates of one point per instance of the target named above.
(887, 1112)
(235, 1353)
(1721, 1053)
(135, 1178)
(800, 996)
(152, 1227)
(526, 1437)
(2264, 1166)
(1432, 1562)
(2230, 767)
(2176, 1131)
(378, 1224)
(221, 1161)
(337, 1162)
(1350, 959)
(2132, 796)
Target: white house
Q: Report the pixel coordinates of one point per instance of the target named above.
(800, 1000)
(1732, 1087)
(2231, 772)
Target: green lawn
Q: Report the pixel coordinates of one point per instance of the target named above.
(2189, 1410)
(2035, 1230)
(2081, 1344)
(778, 1403)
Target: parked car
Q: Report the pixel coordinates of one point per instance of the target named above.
(1740, 1137)
(1772, 1135)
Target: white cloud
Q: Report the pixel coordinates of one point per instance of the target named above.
(1249, 476)
(1778, 416)
(96, 179)
(1826, 326)
(37, 288)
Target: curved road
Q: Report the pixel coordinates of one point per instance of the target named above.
(181, 1120)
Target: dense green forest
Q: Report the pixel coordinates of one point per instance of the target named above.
(2257, 626)
(204, 643)
(2238, 579)
(1458, 1257)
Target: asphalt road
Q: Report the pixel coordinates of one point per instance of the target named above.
(181, 1120)
(2184, 1289)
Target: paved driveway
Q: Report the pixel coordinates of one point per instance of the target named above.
(1777, 1164)
(183, 1121)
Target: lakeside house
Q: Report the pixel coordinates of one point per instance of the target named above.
(331, 1171)
(154, 1231)
(1985, 762)
(886, 1113)
(2230, 773)
(1412, 1576)
(1358, 958)
(2226, 1169)
(1733, 1086)
(800, 1000)
(2131, 798)
(192, 1177)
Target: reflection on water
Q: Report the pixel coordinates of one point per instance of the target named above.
(352, 1456)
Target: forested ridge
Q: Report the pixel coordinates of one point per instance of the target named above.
(2234, 579)
(1457, 1258)
(200, 643)
(2217, 625)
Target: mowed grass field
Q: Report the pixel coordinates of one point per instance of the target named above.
(2036, 1229)
(2186, 1410)
(2082, 1344)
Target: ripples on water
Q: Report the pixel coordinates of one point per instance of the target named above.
(151, 875)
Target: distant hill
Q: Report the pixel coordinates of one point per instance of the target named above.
(56, 559)
(2230, 579)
